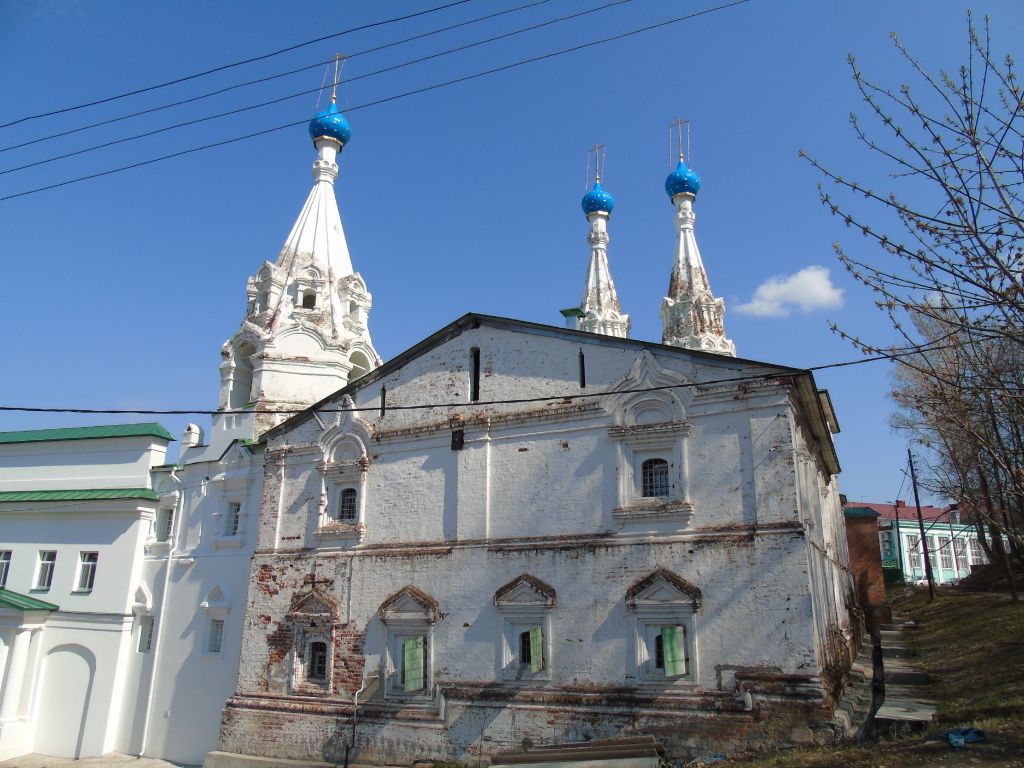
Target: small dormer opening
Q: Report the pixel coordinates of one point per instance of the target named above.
(474, 384)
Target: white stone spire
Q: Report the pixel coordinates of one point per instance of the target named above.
(305, 332)
(600, 311)
(691, 316)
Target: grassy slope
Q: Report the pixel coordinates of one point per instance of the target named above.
(973, 647)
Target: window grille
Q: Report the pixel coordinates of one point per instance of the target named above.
(87, 570)
(231, 522)
(654, 478)
(5, 566)
(216, 639)
(165, 524)
(347, 506)
(317, 661)
(44, 576)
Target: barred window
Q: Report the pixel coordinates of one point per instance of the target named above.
(347, 506)
(317, 661)
(654, 478)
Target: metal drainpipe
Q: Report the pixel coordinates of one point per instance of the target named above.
(179, 513)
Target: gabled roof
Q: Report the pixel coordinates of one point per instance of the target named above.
(87, 433)
(82, 494)
(20, 602)
(804, 379)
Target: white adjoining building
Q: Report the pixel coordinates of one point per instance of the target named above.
(143, 660)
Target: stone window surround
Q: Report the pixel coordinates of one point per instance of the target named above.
(406, 614)
(659, 600)
(519, 615)
(639, 443)
(335, 478)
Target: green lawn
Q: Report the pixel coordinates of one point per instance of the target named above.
(972, 645)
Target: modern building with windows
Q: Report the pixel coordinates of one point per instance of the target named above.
(951, 543)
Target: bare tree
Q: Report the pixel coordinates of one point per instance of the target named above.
(949, 251)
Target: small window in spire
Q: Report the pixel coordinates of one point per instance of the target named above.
(309, 300)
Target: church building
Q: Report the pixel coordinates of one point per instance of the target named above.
(514, 534)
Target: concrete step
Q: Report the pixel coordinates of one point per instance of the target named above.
(892, 651)
(898, 672)
(898, 625)
(906, 711)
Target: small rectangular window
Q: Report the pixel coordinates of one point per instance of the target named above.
(231, 521)
(5, 566)
(654, 478)
(145, 634)
(87, 570)
(216, 638)
(164, 523)
(44, 573)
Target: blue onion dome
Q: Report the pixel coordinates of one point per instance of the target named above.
(597, 200)
(332, 124)
(682, 179)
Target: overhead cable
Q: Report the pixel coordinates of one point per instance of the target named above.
(234, 64)
(196, 121)
(385, 100)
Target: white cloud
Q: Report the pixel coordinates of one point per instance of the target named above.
(809, 289)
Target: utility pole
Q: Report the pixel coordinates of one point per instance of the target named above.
(920, 525)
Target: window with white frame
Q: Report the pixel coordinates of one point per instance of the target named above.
(977, 553)
(232, 518)
(945, 553)
(664, 608)
(408, 618)
(652, 480)
(164, 523)
(87, 562)
(885, 544)
(914, 552)
(960, 552)
(525, 606)
(215, 636)
(145, 633)
(44, 569)
(5, 566)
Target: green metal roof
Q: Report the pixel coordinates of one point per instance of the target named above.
(83, 494)
(87, 433)
(22, 602)
(860, 512)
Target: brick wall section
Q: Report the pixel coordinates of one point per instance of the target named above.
(866, 564)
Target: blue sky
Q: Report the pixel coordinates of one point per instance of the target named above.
(118, 292)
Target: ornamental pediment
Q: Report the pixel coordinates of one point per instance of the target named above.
(525, 591)
(313, 604)
(409, 603)
(663, 588)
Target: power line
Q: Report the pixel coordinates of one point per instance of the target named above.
(416, 91)
(474, 404)
(207, 118)
(277, 76)
(234, 64)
